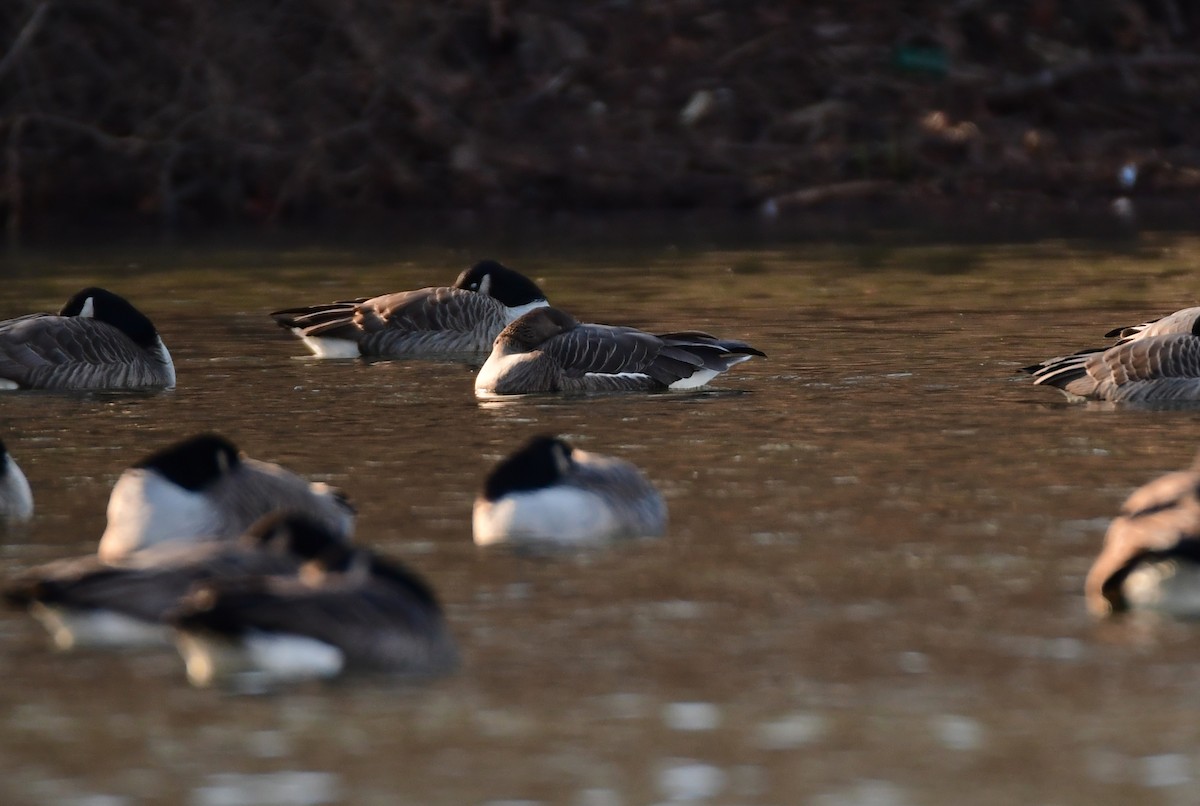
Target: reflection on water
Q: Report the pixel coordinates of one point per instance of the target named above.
(870, 592)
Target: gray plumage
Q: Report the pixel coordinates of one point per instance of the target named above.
(547, 350)
(97, 341)
(553, 493)
(368, 612)
(86, 601)
(1151, 554)
(1157, 361)
(463, 318)
(203, 488)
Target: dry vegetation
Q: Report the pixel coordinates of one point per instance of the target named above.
(186, 112)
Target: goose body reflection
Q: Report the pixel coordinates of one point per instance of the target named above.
(16, 497)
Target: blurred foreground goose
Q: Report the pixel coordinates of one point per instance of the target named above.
(463, 318)
(203, 489)
(546, 350)
(551, 492)
(349, 608)
(16, 499)
(1151, 554)
(1158, 360)
(97, 341)
(87, 602)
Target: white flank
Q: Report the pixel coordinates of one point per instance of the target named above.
(105, 629)
(1169, 586)
(7, 386)
(258, 658)
(165, 357)
(495, 368)
(145, 509)
(16, 499)
(565, 515)
(329, 348)
(698, 379)
(513, 314)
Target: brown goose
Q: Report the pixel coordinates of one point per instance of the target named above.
(546, 350)
(1151, 554)
(203, 488)
(1157, 361)
(463, 318)
(97, 341)
(349, 608)
(550, 492)
(16, 499)
(87, 602)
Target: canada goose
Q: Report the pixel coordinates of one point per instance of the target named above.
(203, 488)
(97, 341)
(16, 499)
(1151, 554)
(551, 492)
(546, 350)
(1157, 360)
(463, 318)
(87, 602)
(347, 609)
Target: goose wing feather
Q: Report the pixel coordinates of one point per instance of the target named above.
(60, 352)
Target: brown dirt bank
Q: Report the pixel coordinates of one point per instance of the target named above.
(185, 112)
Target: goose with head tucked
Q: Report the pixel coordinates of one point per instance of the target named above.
(203, 488)
(16, 499)
(348, 609)
(1151, 554)
(1156, 361)
(549, 492)
(87, 602)
(462, 318)
(98, 341)
(547, 350)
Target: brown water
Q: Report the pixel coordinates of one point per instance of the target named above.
(870, 592)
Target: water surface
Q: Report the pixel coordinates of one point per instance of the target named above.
(870, 593)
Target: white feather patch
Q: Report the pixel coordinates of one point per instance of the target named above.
(556, 514)
(16, 499)
(516, 312)
(329, 348)
(264, 657)
(73, 629)
(145, 508)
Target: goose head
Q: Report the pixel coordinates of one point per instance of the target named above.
(105, 306)
(493, 279)
(534, 329)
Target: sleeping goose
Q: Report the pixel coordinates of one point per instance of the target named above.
(97, 341)
(546, 350)
(463, 318)
(348, 608)
(16, 499)
(1151, 554)
(87, 602)
(203, 488)
(1157, 360)
(551, 492)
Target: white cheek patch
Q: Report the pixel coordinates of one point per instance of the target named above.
(485, 285)
(88, 311)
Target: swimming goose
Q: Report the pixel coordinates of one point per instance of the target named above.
(1157, 360)
(551, 492)
(546, 350)
(203, 488)
(97, 341)
(16, 499)
(87, 602)
(1151, 554)
(463, 318)
(348, 608)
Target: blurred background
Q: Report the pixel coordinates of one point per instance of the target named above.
(179, 113)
